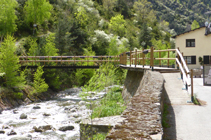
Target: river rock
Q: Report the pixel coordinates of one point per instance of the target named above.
(12, 132)
(2, 131)
(65, 128)
(42, 128)
(36, 107)
(15, 111)
(23, 116)
(5, 127)
(73, 110)
(82, 103)
(20, 138)
(37, 130)
(46, 114)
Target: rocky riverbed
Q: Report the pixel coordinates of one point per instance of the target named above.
(49, 120)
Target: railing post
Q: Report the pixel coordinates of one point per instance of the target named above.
(192, 85)
(178, 57)
(168, 60)
(48, 60)
(152, 57)
(135, 57)
(159, 60)
(143, 56)
(130, 57)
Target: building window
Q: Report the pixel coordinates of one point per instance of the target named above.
(207, 59)
(190, 42)
(190, 59)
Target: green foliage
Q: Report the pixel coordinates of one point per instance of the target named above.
(104, 76)
(81, 17)
(117, 25)
(39, 82)
(112, 104)
(7, 17)
(49, 47)
(98, 136)
(164, 120)
(33, 50)
(37, 11)
(194, 25)
(84, 75)
(10, 63)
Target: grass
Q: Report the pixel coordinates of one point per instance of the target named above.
(99, 136)
(164, 120)
(112, 104)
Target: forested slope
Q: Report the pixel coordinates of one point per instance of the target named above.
(181, 13)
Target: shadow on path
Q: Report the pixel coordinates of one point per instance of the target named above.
(169, 132)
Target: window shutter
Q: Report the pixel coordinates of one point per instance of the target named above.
(206, 59)
(193, 59)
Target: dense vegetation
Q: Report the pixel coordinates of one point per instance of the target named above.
(181, 13)
(69, 27)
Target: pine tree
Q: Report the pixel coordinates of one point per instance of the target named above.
(9, 62)
(7, 17)
(39, 83)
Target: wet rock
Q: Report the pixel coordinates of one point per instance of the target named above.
(5, 127)
(15, 111)
(82, 103)
(65, 128)
(36, 107)
(23, 116)
(20, 138)
(75, 115)
(2, 131)
(73, 110)
(42, 128)
(12, 132)
(37, 130)
(78, 121)
(46, 114)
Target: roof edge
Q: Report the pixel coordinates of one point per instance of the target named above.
(187, 32)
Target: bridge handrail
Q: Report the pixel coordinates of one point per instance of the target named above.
(183, 61)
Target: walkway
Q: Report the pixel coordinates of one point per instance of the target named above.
(187, 121)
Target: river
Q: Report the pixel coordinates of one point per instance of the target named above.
(46, 120)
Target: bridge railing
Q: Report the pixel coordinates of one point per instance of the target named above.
(67, 60)
(140, 57)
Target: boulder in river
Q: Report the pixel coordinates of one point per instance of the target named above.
(42, 128)
(65, 128)
(15, 111)
(2, 131)
(36, 107)
(46, 114)
(23, 116)
(12, 132)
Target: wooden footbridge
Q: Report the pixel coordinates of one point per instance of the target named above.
(133, 60)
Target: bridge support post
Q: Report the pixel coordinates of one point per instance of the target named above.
(135, 57)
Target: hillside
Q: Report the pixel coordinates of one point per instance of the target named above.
(181, 13)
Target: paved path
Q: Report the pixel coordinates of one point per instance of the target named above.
(187, 121)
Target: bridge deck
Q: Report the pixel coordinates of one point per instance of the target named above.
(156, 68)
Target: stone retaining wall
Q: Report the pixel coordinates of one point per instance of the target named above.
(143, 116)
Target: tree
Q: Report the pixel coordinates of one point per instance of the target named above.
(194, 25)
(50, 48)
(7, 17)
(37, 11)
(145, 36)
(143, 11)
(117, 25)
(9, 62)
(39, 82)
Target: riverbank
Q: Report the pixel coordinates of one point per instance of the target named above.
(9, 101)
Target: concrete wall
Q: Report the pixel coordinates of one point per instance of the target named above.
(202, 45)
(143, 116)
